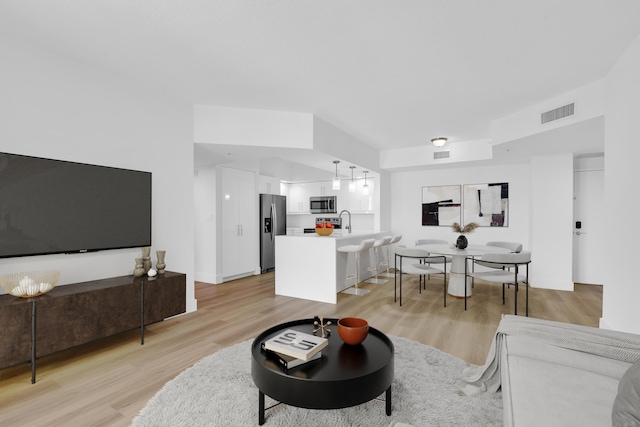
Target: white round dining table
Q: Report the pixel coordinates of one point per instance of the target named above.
(458, 256)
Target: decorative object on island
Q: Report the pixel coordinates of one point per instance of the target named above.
(321, 326)
(139, 270)
(461, 242)
(324, 229)
(30, 284)
(160, 265)
(296, 344)
(152, 273)
(146, 258)
(353, 330)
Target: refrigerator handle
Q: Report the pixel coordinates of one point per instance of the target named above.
(274, 219)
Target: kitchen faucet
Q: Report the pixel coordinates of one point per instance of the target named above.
(348, 227)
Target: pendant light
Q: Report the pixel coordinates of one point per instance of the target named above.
(365, 187)
(352, 184)
(336, 179)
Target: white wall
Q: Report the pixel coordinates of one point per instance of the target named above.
(622, 151)
(53, 107)
(406, 201)
(552, 221)
(205, 224)
(244, 126)
(589, 104)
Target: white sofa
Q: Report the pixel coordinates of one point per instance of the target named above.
(556, 374)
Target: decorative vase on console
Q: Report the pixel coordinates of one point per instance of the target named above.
(160, 265)
(462, 242)
(146, 258)
(139, 270)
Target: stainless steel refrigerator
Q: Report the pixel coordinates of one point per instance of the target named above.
(273, 222)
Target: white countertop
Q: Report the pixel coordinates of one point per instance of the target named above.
(338, 234)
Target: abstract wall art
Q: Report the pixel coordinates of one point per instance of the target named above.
(441, 205)
(486, 204)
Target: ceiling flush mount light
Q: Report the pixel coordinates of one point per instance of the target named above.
(365, 187)
(352, 183)
(439, 142)
(336, 180)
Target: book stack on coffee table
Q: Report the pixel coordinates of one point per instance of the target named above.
(294, 348)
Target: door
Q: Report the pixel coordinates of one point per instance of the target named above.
(588, 227)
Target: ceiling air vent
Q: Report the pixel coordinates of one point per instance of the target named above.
(558, 113)
(441, 155)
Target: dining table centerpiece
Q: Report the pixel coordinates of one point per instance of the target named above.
(462, 241)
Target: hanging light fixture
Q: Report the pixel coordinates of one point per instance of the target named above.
(365, 187)
(439, 142)
(336, 179)
(352, 184)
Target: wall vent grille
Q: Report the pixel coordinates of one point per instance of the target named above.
(441, 155)
(558, 113)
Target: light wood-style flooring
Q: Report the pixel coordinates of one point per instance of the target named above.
(108, 382)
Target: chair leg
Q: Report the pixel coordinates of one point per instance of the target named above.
(515, 310)
(444, 285)
(503, 294)
(526, 299)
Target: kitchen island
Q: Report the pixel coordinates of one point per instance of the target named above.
(309, 266)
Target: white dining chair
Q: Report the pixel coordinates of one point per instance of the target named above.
(420, 269)
(506, 269)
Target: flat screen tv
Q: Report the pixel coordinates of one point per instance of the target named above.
(53, 206)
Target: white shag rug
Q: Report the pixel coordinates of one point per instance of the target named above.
(219, 391)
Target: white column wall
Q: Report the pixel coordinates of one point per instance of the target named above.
(621, 176)
(552, 221)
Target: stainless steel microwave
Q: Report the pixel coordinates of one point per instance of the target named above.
(322, 204)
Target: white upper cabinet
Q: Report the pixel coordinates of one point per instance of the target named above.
(269, 185)
(357, 201)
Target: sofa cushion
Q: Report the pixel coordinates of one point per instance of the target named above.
(626, 407)
(574, 388)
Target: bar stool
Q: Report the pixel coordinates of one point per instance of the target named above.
(365, 245)
(374, 268)
(395, 239)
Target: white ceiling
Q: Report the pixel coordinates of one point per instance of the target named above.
(391, 73)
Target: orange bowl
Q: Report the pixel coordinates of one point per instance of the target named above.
(353, 330)
(324, 231)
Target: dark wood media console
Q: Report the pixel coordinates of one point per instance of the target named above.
(76, 314)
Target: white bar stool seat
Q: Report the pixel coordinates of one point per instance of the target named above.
(395, 239)
(384, 241)
(365, 245)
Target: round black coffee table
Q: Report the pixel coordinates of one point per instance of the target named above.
(344, 376)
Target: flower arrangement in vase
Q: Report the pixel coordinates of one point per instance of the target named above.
(462, 242)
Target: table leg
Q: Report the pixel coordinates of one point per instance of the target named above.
(457, 278)
(388, 399)
(260, 407)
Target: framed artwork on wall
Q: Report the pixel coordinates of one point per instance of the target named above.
(441, 205)
(486, 204)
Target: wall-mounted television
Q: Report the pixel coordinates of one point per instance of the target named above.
(53, 206)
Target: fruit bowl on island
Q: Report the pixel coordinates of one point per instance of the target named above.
(324, 229)
(30, 284)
